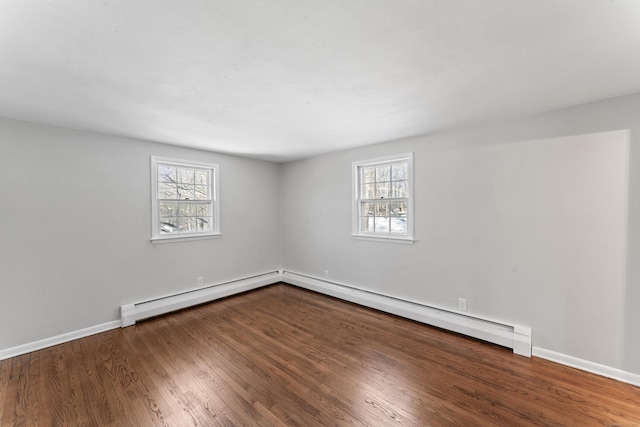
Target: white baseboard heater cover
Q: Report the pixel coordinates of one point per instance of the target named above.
(515, 337)
(130, 313)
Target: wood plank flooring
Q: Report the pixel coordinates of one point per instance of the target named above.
(285, 356)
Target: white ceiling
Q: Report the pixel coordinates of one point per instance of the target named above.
(287, 79)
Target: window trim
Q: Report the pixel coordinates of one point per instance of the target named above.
(355, 180)
(156, 237)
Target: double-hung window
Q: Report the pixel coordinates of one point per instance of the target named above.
(185, 202)
(383, 198)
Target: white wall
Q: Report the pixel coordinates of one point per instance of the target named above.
(526, 219)
(75, 213)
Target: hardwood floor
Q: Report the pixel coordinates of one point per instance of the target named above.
(285, 356)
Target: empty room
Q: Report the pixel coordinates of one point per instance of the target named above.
(310, 213)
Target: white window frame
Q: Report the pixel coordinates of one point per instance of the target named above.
(156, 236)
(356, 188)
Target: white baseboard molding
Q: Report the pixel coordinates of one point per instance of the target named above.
(515, 337)
(132, 312)
(152, 308)
(59, 339)
(585, 365)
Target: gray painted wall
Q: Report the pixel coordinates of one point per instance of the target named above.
(527, 219)
(75, 212)
(62, 270)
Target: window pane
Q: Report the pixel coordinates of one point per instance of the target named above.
(168, 225)
(366, 224)
(382, 191)
(399, 189)
(186, 176)
(187, 225)
(167, 191)
(382, 224)
(204, 224)
(186, 192)
(368, 209)
(168, 209)
(382, 209)
(202, 177)
(202, 209)
(166, 174)
(187, 209)
(368, 174)
(368, 191)
(398, 209)
(398, 225)
(399, 171)
(383, 173)
(201, 192)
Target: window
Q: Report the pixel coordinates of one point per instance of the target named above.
(383, 205)
(185, 203)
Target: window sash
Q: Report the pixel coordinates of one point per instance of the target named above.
(384, 221)
(188, 217)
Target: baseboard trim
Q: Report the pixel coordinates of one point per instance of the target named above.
(515, 337)
(154, 307)
(585, 365)
(58, 339)
(132, 312)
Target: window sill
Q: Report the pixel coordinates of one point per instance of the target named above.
(396, 240)
(178, 238)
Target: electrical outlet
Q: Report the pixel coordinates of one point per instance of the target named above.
(462, 304)
(200, 281)
(326, 274)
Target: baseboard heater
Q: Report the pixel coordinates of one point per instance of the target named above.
(515, 337)
(130, 313)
